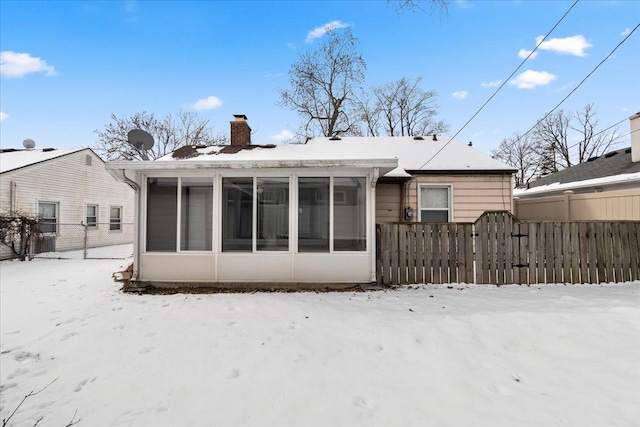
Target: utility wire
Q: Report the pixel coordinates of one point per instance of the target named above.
(503, 84)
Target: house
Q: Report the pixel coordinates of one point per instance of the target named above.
(65, 188)
(295, 215)
(603, 188)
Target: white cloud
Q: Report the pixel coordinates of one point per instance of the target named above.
(3, 116)
(626, 32)
(462, 94)
(208, 103)
(13, 64)
(321, 31)
(492, 84)
(531, 79)
(281, 137)
(524, 53)
(574, 45)
(272, 75)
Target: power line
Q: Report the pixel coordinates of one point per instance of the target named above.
(583, 80)
(503, 83)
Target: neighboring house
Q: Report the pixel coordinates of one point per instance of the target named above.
(65, 188)
(295, 215)
(603, 188)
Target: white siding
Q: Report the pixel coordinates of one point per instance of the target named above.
(472, 194)
(68, 181)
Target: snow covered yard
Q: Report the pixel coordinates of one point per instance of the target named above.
(429, 355)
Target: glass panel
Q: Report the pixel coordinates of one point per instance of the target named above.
(48, 217)
(92, 216)
(349, 214)
(434, 198)
(162, 214)
(237, 214)
(115, 218)
(273, 214)
(434, 216)
(196, 214)
(313, 215)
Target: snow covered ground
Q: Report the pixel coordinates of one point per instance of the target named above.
(547, 355)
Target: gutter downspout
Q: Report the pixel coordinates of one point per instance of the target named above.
(13, 197)
(136, 224)
(372, 216)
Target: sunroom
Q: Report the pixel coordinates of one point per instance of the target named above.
(252, 223)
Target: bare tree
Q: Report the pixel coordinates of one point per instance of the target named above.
(170, 133)
(558, 141)
(325, 84)
(402, 108)
(556, 132)
(417, 5)
(521, 153)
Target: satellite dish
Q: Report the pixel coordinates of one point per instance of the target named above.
(140, 139)
(29, 144)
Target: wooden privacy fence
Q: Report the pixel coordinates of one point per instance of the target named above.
(499, 249)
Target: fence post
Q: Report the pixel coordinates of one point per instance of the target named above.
(84, 253)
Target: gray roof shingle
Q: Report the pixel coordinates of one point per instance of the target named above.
(616, 162)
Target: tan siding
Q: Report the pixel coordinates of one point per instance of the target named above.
(472, 194)
(618, 205)
(388, 197)
(72, 184)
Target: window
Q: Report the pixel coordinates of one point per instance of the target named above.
(349, 214)
(92, 216)
(271, 202)
(273, 214)
(162, 214)
(237, 214)
(435, 203)
(115, 218)
(313, 214)
(196, 205)
(87, 160)
(48, 213)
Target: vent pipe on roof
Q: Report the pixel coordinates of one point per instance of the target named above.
(435, 138)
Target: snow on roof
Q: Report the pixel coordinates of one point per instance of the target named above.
(628, 178)
(16, 159)
(413, 154)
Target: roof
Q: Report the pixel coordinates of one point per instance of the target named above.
(413, 153)
(615, 167)
(12, 159)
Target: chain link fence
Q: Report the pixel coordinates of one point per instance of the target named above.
(79, 241)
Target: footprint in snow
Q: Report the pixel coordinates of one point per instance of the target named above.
(17, 373)
(81, 384)
(234, 374)
(146, 350)
(69, 335)
(116, 309)
(362, 402)
(26, 357)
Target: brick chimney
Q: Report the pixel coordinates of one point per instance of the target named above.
(634, 123)
(240, 130)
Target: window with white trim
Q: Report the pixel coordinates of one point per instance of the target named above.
(435, 203)
(115, 218)
(349, 218)
(48, 217)
(269, 198)
(92, 216)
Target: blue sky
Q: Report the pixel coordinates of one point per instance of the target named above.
(68, 65)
